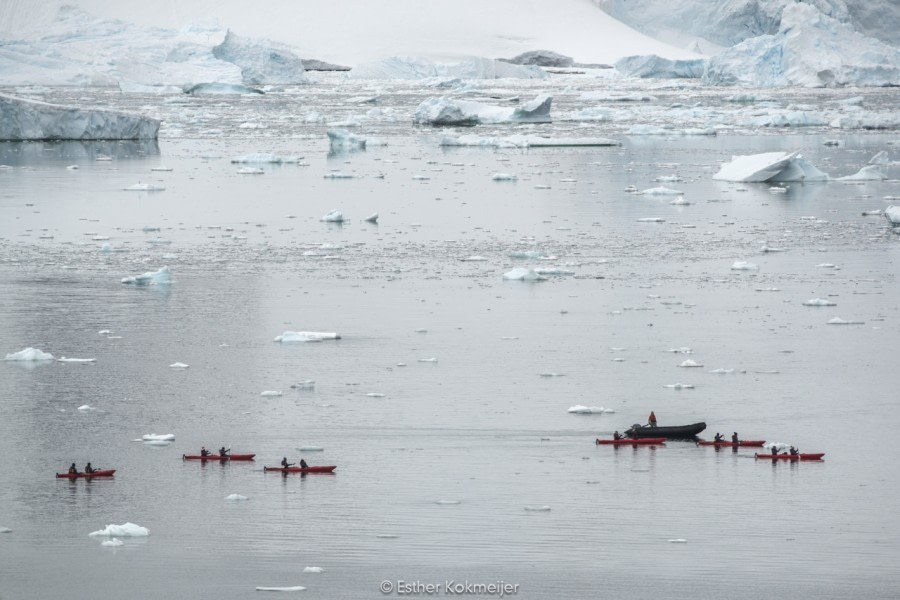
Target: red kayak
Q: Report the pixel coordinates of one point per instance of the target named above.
(817, 456)
(327, 469)
(633, 442)
(103, 473)
(217, 457)
(724, 444)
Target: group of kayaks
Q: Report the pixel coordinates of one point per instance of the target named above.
(208, 457)
(658, 436)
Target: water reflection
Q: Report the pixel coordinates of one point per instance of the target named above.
(20, 154)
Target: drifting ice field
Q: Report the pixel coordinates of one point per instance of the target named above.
(442, 390)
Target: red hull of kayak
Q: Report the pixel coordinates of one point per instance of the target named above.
(755, 443)
(217, 457)
(631, 442)
(104, 473)
(817, 456)
(327, 469)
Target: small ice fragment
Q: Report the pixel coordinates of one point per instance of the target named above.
(114, 543)
(819, 302)
(651, 220)
(429, 360)
(578, 409)
(742, 265)
(124, 530)
(144, 187)
(313, 570)
(387, 536)
(661, 191)
(690, 363)
(421, 330)
(306, 384)
(86, 407)
(5, 530)
(293, 588)
(236, 497)
(179, 365)
(271, 393)
(840, 321)
(162, 437)
(306, 336)
(375, 395)
(447, 502)
(30, 354)
(679, 386)
(250, 171)
(334, 216)
(544, 508)
(310, 449)
(373, 218)
(76, 360)
(722, 371)
(678, 541)
(503, 177)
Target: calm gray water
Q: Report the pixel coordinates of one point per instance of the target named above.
(439, 460)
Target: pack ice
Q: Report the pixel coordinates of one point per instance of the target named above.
(22, 119)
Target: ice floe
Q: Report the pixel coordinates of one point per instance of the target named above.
(892, 214)
(840, 321)
(235, 498)
(341, 140)
(144, 187)
(313, 570)
(334, 216)
(867, 173)
(179, 365)
(742, 265)
(523, 274)
(679, 386)
(160, 277)
(271, 393)
(292, 588)
(63, 359)
(819, 302)
(29, 354)
(125, 530)
(250, 171)
(265, 158)
(158, 437)
(661, 191)
(578, 409)
(690, 363)
(306, 336)
(525, 141)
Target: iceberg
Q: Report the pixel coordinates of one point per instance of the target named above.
(810, 49)
(113, 543)
(341, 140)
(306, 336)
(769, 166)
(414, 67)
(334, 216)
(216, 87)
(22, 119)
(313, 570)
(444, 111)
(892, 214)
(867, 173)
(29, 354)
(523, 274)
(161, 277)
(292, 588)
(260, 61)
(656, 67)
(541, 58)
(742, 265)
(124, 530)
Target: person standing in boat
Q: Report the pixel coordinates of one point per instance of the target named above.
(734, 439)
(73, 470)
(223, 451)
(285, 464)
(652, 419)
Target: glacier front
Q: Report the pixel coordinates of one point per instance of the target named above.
(22, 119)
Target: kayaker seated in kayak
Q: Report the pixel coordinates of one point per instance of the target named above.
(73, 470)
(652, 419)
(223, 451)
(88, 468)
(734, 438)
(719, 437)
(204, 451)
(303, 464)
(285, 464)
(794, 451)
(617, 435)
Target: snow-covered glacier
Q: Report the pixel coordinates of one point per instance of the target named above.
(22, 119)
(811, 50)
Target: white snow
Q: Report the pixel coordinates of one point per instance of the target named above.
(160, 277)
(306, 336)
(22, 119)
(124, 530)
(29, 354)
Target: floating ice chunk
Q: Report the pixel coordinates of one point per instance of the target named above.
(679, 386)
(414, 67)
(428, 360)
(553, 271)
(310, 449)
(765, 249)
(5, 530)
(124, 530)
(334, 216)
(313, 570)
(755, 167)
(446, 111)
(29, 354)
(474, 258)
(375, 395)
(306, 336)
(544, 508)
(251, 171)
(721, 371)
(867, 173)
(523, 274)
(144, 187)
(264, 157)
(373, 218)
(826, 266)
(86, 408)
(892, 214)
(293, 588)
(158, 437)
(341, 140)
(179, 365)
(840, 321)
(657, 130)
(22, 119)
(678, 541)
(236, 498)
(161, 277)
(690, 363)
(76, 360)
(306, 384)
(578, 409)
(161, 168)
(819, 302)
(157, 443)
(661, 191)
(447, 502)
(271, 393)
(113, 543)
(742, 265)
(651, 220)
(503, 177)
(260, 61)
(682, 350)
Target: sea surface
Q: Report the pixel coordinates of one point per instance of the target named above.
(444, 404)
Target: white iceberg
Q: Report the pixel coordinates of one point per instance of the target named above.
(892, 214)
(819, 302)
(22, 119)
(523, 274)
(260, 61)
(313, 570)
(373, 218)
(334, 216)
(755, 167)
(29, 354)
(341, 140)
(742, 265)
(158, 437)
(451, 112)
(271, 393)
(161, 277)
(179, 365)
(503, 177)
(306, 336)
(235, 498)
(655, 67)
(63, 359)
(690, 363)
(124, 530)
(867, 173)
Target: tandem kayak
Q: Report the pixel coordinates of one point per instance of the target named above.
(673, 432)
(327, 469)
(724, 444)
(103, 473)
(633, 442)
(801, 456)
(217, 457)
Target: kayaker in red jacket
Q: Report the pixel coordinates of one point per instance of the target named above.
(652, 419)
